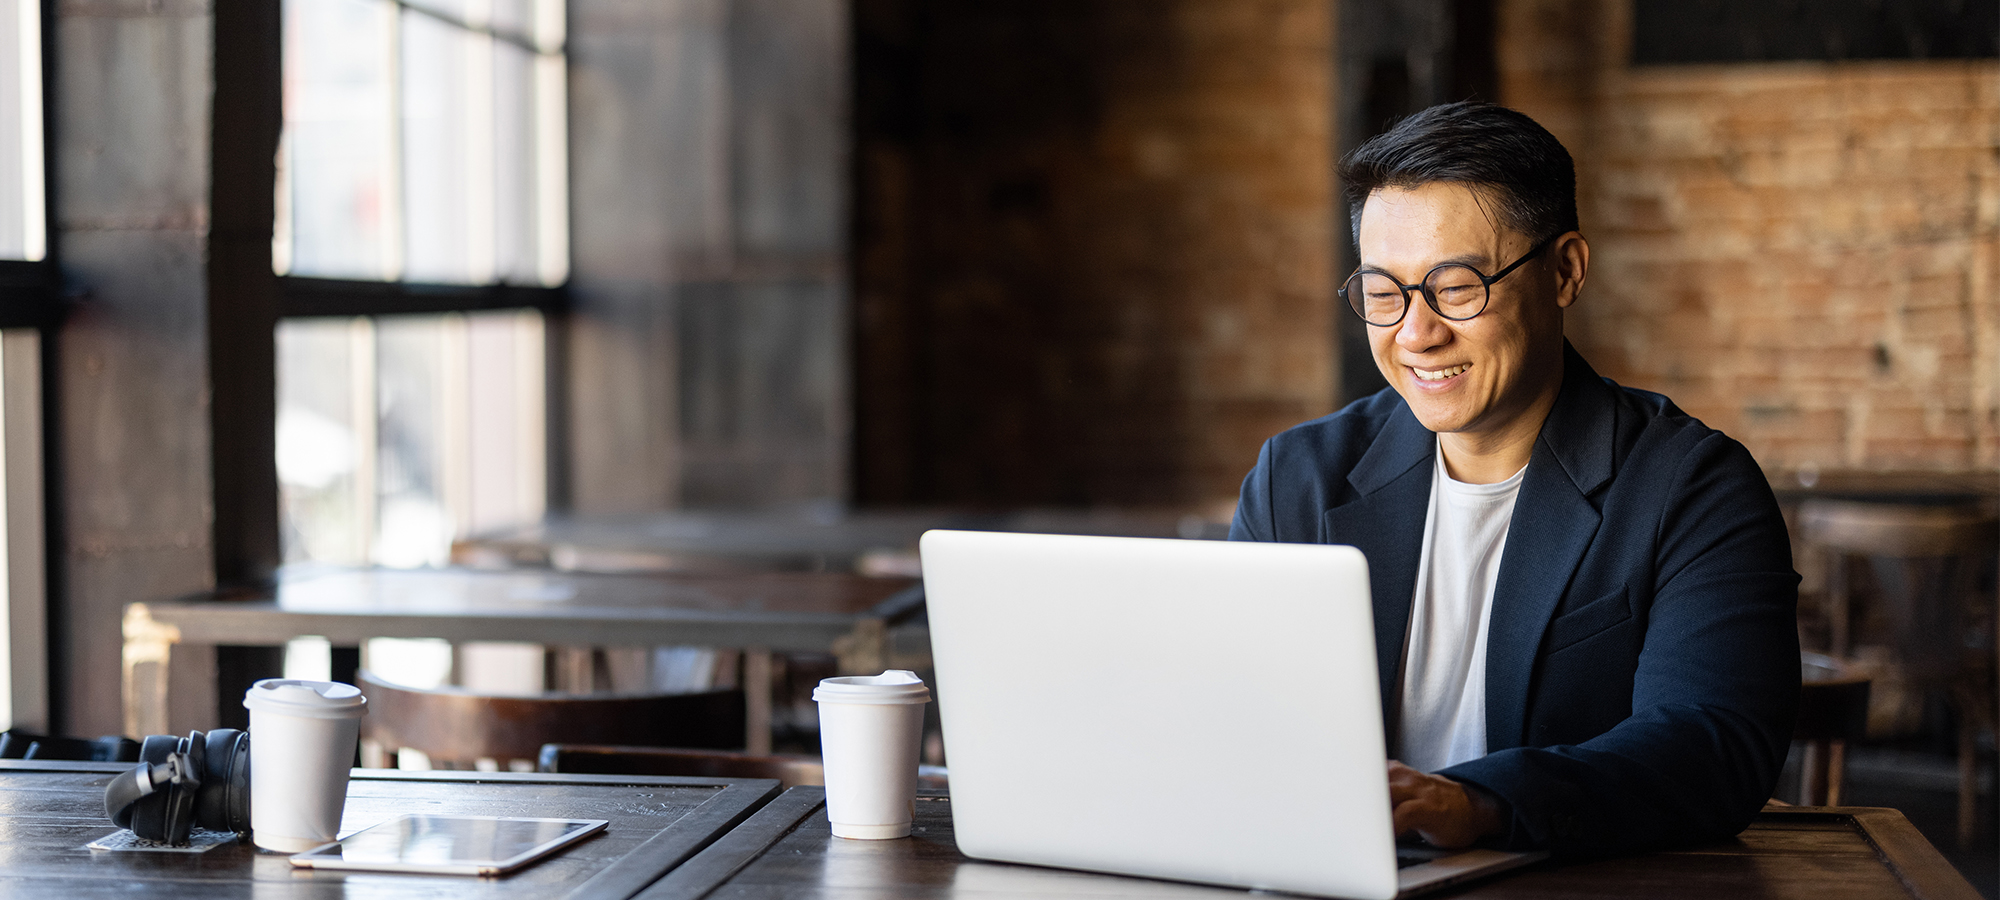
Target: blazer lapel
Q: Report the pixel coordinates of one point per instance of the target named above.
(1554, 522)
(1386, 522)
(1552, 527)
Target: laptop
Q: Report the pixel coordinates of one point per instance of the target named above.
(1201, 711)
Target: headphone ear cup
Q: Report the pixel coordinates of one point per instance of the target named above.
(224, 801)
(151, 815)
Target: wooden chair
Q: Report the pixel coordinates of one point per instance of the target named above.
(457, 728)
(1927, 559)
(1833, 709)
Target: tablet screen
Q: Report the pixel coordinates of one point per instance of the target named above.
(449, 844)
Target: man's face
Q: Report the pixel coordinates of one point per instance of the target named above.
(1485, 375)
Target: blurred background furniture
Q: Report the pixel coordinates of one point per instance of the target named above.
(1833, 709)
(820, 538)
(849, 616)
(459, 729)
(814, 537)
(791, 769)
(18, 744)
(1927, 563)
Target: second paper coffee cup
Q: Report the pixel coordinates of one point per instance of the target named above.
(302, 740)
(869, 729)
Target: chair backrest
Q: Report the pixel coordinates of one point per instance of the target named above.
(793, 770)
(1926, 560)
(1833, 700)
(602, 759)
(455, 726)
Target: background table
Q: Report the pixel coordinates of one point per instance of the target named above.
(786, 850)
(848, 615)
(49, 811)
(822, 539)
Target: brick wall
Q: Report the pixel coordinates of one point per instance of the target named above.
(1801, 254)
(1093, 246)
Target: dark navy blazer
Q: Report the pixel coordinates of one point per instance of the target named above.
(1642, 666)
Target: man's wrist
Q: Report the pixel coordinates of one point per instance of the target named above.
(1489, 812)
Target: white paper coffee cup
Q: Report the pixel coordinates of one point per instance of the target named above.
(302, 740)
(869, 729)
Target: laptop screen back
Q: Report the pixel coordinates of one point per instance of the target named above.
(1195, 710)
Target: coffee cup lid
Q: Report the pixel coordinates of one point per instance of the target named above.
(312, 699)
(893, 686)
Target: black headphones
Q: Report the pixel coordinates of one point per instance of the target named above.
(201, 779)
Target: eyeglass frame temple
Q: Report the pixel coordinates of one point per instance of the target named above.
(1486, 281)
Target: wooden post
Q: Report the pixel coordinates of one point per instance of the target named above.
(757, 701)
(148, 647)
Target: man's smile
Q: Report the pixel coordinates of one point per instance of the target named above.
(1439, 374)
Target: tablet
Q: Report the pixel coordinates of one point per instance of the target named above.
(449, 845)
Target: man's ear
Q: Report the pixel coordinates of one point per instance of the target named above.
(1570, 257)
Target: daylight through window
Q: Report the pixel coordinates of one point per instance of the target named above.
(23, 213)
(423, 142)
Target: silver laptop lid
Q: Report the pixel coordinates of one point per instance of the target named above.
(1195, 710)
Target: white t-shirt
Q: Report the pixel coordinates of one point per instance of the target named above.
(1444, 670)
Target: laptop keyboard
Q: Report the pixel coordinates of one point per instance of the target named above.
(1404, 862)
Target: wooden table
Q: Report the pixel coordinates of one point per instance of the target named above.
(49, 811)
(1792, 485)
(787, 851)
(848, 615)
(823, 540)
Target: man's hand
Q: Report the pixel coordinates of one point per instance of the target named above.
(1443, 812)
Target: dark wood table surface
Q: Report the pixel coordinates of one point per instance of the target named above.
(849, 615)
(787, 851)
(49, 811)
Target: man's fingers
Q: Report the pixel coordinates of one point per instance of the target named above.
(1408, 816)
(1433, 807)
(1404, 782)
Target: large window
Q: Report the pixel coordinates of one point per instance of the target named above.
(23, 211)
(422, 228)
(25, 301)
(23, 592)
(424, 142)
(398, 433)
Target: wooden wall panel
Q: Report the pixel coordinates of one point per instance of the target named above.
(759, 365)
(707, 349)
(1093, 243)
(131, 156)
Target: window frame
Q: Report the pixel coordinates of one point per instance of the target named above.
(309, 295)
(304, 296)
(248, 298)
(30, 290)
(31, 309)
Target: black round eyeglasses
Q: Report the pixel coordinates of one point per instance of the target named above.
(1454, 291)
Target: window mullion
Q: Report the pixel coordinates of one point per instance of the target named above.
(394, 217)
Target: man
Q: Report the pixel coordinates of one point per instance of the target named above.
(1584, 603)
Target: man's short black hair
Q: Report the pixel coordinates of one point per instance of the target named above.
(1529, 174)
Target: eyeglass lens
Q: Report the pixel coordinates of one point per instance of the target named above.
(1455, 292)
